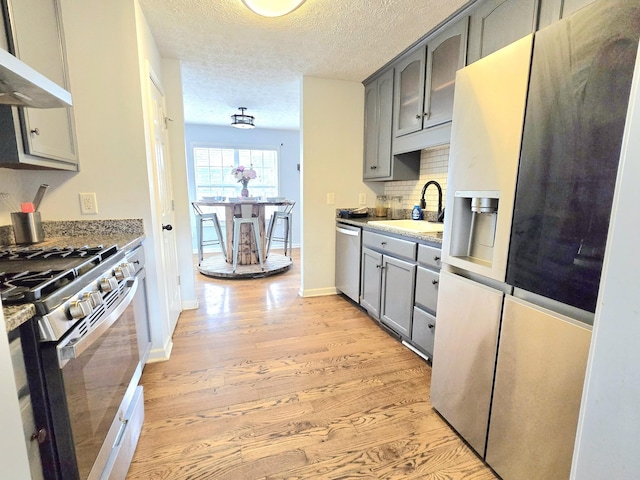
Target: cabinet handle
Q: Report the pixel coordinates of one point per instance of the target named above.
(430, 325)
(39, 435)
(373, 167)
(35, 131)
(436, 258)
(435, 282)
(418, 117)
(383, 243)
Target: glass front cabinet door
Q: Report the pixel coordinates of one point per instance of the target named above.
(425, 80)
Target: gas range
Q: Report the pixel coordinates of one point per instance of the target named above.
(65, 284)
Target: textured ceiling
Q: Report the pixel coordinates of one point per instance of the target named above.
(234, 58)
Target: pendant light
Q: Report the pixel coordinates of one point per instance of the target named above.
(241, 120)
(272, 8)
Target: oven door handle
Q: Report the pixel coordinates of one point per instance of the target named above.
(75, 347)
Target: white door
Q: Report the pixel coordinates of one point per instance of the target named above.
(164, 202)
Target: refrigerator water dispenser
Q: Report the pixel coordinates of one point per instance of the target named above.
(475, 217)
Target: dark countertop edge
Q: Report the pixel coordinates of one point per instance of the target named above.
(16, 315)
(427, 238)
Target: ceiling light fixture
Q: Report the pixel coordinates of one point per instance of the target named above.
(272, 8)
(241, 120)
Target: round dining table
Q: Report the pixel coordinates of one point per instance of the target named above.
(248, 262)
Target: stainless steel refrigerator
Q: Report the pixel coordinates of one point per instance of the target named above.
(529, 199)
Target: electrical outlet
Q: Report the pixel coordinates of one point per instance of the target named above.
(362, 199)
(331, 198)
(88, 204)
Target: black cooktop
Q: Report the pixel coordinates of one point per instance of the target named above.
(30, 274)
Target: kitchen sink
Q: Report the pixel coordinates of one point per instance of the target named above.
(416, 226)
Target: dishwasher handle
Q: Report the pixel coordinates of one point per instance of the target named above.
(353, 233)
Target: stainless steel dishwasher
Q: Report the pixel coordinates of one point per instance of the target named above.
(348, 244)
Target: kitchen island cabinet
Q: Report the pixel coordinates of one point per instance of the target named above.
(31, 137)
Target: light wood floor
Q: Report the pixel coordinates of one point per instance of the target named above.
(263, 384)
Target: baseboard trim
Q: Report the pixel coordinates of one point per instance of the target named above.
(161, 354)
(190, 304)
(318, 292)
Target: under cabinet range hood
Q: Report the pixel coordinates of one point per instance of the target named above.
(21, 85)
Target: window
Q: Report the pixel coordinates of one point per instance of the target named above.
(213, 171)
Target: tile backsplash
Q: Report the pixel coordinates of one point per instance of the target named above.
(434, 164)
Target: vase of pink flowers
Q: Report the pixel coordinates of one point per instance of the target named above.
(243, 175)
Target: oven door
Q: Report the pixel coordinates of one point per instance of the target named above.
(100, 371)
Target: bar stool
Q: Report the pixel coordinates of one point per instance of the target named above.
(246, 217)
(203, 217)
(285, 216)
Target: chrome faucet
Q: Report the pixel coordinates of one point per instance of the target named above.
(423, 203)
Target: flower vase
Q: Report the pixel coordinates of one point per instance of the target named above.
(244, 192)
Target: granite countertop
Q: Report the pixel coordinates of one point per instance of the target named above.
(430, 238)
(126, 234)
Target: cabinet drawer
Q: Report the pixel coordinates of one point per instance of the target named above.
(429, 256)
(389, 245)
(423, 330)
(427, 288)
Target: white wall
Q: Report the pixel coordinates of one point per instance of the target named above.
(609, 426)
(109, 49)
(332, 121)
(286, 141)
(103, 70)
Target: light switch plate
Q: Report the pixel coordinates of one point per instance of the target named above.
(362, 199)
(331, 198)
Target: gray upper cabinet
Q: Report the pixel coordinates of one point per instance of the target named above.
(553, 10)
(426, 81)
(30, 137)
(497, 23)
(410, 93)
(446, 54)
(377, 126)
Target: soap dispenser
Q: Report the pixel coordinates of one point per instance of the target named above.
(416, 213)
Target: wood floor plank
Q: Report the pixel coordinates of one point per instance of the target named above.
(264, 385)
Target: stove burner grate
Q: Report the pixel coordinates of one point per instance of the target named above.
(31, 274)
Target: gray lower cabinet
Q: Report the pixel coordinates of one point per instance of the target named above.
(388, 280)
(423, 331)
(426, 299)
(398, 282)
(497, 23)
(371, 281)
(398, 291)
(30, 137)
